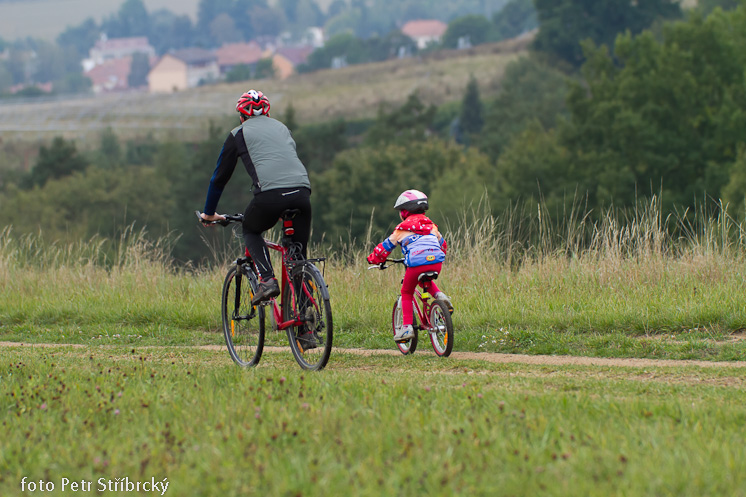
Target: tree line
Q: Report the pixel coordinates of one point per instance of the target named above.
(660, 112)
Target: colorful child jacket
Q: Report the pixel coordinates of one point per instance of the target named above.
(420, 241)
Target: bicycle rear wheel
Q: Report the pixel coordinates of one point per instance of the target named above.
(441, 331)
(311, 341)
(409, 346)
(243, 323)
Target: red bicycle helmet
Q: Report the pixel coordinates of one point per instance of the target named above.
(253, 103)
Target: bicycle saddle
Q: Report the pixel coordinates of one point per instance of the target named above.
(289, 213)
(428, 276)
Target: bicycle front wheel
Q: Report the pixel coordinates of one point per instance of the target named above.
(409, 346)
(311, 340)
(243, 323)
(441, 331)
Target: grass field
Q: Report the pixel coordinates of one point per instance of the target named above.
(137, 387)
(366, 426)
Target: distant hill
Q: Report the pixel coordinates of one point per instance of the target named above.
(353, 92)
(48, 18)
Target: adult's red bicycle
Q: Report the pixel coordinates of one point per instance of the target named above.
(304, 312)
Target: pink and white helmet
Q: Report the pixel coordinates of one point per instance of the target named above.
(412, 201)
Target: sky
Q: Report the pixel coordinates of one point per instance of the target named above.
(48, 18)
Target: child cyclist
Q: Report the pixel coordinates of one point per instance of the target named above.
(424, 250)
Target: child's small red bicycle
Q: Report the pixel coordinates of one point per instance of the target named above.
(432, 315)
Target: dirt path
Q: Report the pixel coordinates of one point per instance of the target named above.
(565, 360)
(483, 356)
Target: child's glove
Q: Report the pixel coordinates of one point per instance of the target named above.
(381, 251)
(444, 246)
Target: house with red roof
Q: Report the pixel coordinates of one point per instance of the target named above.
(286, 59)
(425, 31)
(116, 48)
(182, 69)
(232, 54)
(111, 75)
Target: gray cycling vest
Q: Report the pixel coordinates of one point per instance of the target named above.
(272, 152)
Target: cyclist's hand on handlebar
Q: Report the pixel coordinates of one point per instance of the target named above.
(212, 217)
(377, 258)
(222, 220)
(377, 265)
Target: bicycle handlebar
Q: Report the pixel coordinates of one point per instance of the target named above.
(229, 218)
(383, 265)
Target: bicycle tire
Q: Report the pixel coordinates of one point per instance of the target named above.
(410, 346)
(312, 303)
(441, 331)
(243, 323)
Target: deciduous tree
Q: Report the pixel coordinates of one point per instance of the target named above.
(476, 28)
(408, 123)
(59, 159)
(564, 24)
(662, 116)
(530, 90)
(517, 17)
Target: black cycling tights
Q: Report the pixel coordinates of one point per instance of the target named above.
(263, 213)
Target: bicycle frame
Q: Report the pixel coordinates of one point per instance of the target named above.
(422, 305)
(283, 249)
(287, 262)
(276, 311)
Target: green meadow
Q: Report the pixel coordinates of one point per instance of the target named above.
(123, 377)
(376, 425)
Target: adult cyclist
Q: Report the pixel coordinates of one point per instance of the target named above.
(280, 182)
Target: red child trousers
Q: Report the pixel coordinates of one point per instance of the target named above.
(408, 286)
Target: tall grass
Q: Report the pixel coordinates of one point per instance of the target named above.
(625, 283)
(98, 289)
(522, 235)
(527, 281)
